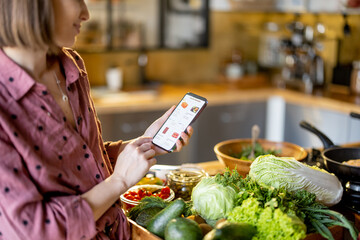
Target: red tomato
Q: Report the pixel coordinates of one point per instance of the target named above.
(130, 197)
(165, 190)
(142, 192)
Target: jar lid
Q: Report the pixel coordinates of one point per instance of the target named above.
(186, 175)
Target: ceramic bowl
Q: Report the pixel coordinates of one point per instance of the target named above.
(225, 149)
(128, 204)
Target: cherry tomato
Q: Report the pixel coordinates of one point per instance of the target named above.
(130, 197)
(165, 190)
(142, 192)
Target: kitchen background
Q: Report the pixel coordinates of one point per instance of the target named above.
(242, 25)
(303, 44)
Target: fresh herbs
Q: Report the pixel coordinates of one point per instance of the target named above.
(258, 151)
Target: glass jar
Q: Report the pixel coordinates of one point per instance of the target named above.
(182, 182)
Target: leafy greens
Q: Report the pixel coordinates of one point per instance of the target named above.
(258, 151)
(301, 204)
(293, 176)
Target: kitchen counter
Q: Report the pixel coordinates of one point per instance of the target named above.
(162, 97)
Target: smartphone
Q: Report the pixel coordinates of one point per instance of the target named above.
(185, 113)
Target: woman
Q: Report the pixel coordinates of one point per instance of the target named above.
(58, 180)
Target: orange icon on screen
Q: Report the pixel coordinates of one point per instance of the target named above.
(184, 104)
(194, 109)
(175, 135)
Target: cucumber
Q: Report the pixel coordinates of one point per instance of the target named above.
(145, 215)
(227, 230)
(183, 228)
(158, 223)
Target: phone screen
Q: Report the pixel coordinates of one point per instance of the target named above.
(183, 115)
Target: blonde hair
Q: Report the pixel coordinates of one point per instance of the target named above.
(27, 24)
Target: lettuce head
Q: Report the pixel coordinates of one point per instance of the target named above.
(212, 201)
(271, 224)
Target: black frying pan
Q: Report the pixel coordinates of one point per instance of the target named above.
(333, 156)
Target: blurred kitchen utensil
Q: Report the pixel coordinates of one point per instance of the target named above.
(342, 71)
(355, 115)
(333, 157)
(255, 131)
(346, 27)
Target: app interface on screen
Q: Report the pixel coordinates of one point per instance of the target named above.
(182, 116)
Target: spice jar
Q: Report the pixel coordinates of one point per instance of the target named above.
(183, 181)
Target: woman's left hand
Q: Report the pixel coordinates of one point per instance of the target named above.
(155, 126)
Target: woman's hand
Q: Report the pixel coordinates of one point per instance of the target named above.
(134, 161)
(132, 164)
(155, 126)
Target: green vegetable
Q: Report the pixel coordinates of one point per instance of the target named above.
(258, 151)
(211, 200)
(158, 223)
(320, 215)
(182, 228)
(146, 215)
(316, 216)
(271, 224)
(294, 176)
(228, 230)
(145, 203)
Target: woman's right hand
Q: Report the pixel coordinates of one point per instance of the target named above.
(134, 161)
(132, 164)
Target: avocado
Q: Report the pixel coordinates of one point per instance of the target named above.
(183, 228)
(231, 231)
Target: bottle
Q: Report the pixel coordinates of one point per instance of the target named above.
(355, 78)
(234, 69)
(114, 78)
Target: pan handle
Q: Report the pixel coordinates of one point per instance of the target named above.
(324, 139)
(355, 115)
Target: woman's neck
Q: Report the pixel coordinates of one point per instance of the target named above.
(34, 62)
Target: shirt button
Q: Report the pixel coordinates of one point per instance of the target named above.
(49, 114)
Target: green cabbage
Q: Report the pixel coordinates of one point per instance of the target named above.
(212, 201)
(293, 175)
(271, 224)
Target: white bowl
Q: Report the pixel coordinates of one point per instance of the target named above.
(128, 204)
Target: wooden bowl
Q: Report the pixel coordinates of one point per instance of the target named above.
(224, 149)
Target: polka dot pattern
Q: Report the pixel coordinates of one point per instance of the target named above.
(58, 157)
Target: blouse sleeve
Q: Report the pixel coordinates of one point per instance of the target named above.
(25, 213)
(113, 151)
